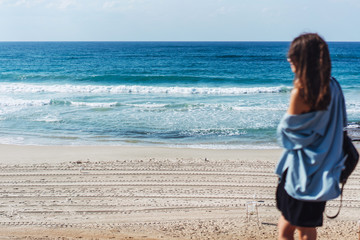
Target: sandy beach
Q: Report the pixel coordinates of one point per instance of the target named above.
(63, 192)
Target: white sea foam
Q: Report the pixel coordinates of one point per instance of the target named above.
(259, 108)
(225, 146)
(135, 89)
(11, 140)
(49, 119)
(94, 104)
(11, 102)
(353, 126)
(147, 105)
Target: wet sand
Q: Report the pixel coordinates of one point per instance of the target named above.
(149, 193)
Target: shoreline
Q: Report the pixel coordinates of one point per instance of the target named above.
(22, 154)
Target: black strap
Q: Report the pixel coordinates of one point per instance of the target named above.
(345, 134)
(341, 196)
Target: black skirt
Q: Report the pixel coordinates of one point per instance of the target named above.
(298, 212)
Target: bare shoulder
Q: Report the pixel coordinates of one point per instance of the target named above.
(297, 104)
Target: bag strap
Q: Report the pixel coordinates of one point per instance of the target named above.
(344, 135)
(341, 197)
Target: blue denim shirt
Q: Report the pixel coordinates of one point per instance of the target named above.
(313, 151)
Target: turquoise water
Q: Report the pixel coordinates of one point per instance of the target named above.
(184, 94)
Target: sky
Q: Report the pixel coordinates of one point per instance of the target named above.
(177, 20)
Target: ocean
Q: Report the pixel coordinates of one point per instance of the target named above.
(217, 95)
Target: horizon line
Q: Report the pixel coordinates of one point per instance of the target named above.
(214, 41)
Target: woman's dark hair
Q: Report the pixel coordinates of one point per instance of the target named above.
(310, 55)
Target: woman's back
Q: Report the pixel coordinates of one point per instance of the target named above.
(311, 133)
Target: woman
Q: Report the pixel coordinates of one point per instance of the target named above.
(311, 133)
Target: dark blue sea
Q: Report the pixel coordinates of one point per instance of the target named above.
(180, 94)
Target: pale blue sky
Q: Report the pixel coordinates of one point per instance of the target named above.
(177, 20)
